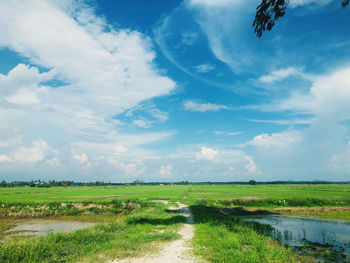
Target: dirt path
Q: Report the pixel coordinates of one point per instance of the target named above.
(177, 251)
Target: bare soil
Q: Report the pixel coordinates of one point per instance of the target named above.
(177, 251)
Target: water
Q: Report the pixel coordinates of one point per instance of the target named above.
(296, 232)
(42, 227)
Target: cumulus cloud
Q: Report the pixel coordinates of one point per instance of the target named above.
(219, 164)
(316, 151)
(329, 95)
(280, 140)
(37, 152)
(191, 105)
(86, 74)
(251, 166)
(54, 162)
(24, 97)
(132, 169)
(82, 158)
(165, 170)
(5, 158)
(120, 149)
(207, 154)
(10, 142)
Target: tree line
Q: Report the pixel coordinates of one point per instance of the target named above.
(52, 183)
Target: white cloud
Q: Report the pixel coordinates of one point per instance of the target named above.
(120, 149)
(159, 115)
(204, 68)
(329, 95)
(219, 164)
(284, 122)
(251, 166)
(297, 3)
(97, 71)
(82, 158)
(189, 38)
(111, 70)
(23, 96)
(280, 74)
(142, 123)
(165, 170)
(226, 133)
(214, 3)
(10, 142)
(38, 152)
(5, 158)
(191, 105)
(280, 140)
(207, 154)
(54, 162)
(317, 151)
(132, 169)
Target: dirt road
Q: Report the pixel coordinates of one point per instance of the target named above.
(177, 251)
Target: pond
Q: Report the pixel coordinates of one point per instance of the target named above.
(40, 227)
(297, 232)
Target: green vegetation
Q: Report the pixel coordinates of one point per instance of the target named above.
(89, 193)
(222, 238)
(127, 230)
(130, 235)
(339, 213)
(331, 193)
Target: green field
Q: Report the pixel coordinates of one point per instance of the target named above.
(189, 193)
(123, 231)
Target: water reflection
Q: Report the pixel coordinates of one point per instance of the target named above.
(42, 227)
(296, 231)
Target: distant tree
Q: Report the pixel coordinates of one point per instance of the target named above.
(3, 183)
(252, 182)
(269, 11)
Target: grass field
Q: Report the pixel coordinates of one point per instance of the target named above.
(124, 232)
(331, 193)
(116, 236)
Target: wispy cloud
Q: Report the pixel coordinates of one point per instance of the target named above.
(296, 3)
(105, 72)
(226, 133)
(204, 68)
(283, 122)
(280, 74)
(191, 105)
(189, 38)
(214, 3)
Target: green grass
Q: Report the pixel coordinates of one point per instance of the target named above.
(330, 213)
(223, 238)
(331, 193)
(262, 196)
(334, 193)
(88, 193)
(128, 232)
(129, 236)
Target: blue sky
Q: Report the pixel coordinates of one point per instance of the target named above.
(173, 90)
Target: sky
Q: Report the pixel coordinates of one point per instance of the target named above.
(175, 90)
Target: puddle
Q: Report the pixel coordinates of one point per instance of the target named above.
(42, 227)
(298, 232)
